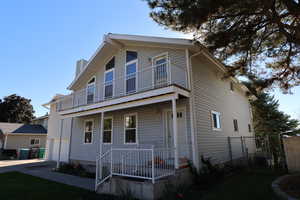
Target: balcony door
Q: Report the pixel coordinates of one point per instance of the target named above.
(90, 91)
(160, 70)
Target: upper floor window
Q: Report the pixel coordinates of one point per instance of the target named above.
(131, 71)
(109, 78)
(235, 125)
(216, 120)
(131, 129)
(88, 132)
(130, 56)
(107, 130)
(90, 90)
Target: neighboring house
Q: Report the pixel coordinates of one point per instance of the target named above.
(16, 136)
(143, 107)
(43, 120)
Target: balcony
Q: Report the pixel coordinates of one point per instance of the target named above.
(143, 80)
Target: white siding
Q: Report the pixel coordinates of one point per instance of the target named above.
(211, 92)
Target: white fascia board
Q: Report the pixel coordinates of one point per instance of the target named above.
(88, 64)
(147, 94)
(26, 134)
(163, 40)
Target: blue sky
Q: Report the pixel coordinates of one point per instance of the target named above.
(41, 41)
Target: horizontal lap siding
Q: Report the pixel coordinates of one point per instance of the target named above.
(22, 141)
(151, 130)
(213, 93)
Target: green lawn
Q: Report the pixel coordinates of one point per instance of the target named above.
(248, 185)
(17, 186)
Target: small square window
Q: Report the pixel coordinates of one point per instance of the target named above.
(216, 120)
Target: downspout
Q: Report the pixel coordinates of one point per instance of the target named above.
(70, 140)
(192, 110)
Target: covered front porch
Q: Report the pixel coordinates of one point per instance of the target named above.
(143, 142)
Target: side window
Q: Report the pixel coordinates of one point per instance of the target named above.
(34, 141)
(216, 120)
(109, 78)
(160, 70)
(88, 132)
(249, 128)
(107, 130)
(235, 125)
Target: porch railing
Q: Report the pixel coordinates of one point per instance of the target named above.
(149, 164)
(146, 78)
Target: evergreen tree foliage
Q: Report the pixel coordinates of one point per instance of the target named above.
(251, 37)
(16, 109)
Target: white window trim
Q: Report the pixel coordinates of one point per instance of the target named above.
(34, 141)
(164, 54)
(136, 72)
(219, 121)
(92, 137)
(112, 130)
(113, 83)
(89, 84)
(136, 128)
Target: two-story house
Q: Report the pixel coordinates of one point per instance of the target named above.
(142, 107)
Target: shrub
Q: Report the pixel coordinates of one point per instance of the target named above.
(75, 169)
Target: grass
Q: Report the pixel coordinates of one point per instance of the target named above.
(17, 186)
(247, 185)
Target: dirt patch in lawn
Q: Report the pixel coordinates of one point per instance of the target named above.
(291, 185)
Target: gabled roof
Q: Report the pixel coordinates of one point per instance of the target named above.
(118, 41)
(17, 128)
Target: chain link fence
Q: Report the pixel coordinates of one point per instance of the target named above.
(263, 151)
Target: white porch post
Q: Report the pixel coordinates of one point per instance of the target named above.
(101, 132)
(175, 132)
(59, 147)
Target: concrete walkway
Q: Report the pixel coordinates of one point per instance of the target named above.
(43, 169)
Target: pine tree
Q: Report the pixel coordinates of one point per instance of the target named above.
(251, 37)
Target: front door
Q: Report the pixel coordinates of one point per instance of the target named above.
(181, 128)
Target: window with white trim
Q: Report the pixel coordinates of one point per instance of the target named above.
(107, 130)
(109, 78)
(88, 132)
(131, 71)
(216, 120)
(90, 90)
(34, 141)
(131, 129)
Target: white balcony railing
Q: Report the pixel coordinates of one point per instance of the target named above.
(145, 79)
(149, 164)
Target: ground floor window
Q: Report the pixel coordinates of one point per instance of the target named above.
(34, 141)
(107, 130)
(131, 129)
(88, 132)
